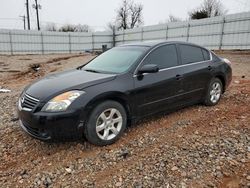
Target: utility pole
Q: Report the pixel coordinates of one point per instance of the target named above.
(28, 13)
(24, 25)
(37, 6)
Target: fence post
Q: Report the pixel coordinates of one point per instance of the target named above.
(142, 32)
(42, 42)
(222, 32)
(113, 33)
(188, 28)
(92, 35)
(11, 44)
(167, 32)
(123, 36)
(70, 50)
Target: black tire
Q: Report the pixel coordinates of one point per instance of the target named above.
(90, 131)
(208, 101)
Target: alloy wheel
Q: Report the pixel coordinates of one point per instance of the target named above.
(215, 92)
(109, 124)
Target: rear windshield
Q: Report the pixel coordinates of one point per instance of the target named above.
(116, 60)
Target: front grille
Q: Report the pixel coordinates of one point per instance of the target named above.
(28, 102)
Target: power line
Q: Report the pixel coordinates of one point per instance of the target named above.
(9, 18)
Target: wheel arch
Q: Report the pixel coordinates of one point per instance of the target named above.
(223, 81)
(114, 96)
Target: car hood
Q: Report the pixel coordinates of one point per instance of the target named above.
(54, 84)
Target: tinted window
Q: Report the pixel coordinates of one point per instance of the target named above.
(116, 60)
(206, 54)
(191, 54)
(164, 57)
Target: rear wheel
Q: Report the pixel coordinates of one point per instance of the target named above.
(214, 92)
(106, 123)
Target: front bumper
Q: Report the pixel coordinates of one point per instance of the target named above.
(52, 126)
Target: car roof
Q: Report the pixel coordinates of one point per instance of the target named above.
(156, 43)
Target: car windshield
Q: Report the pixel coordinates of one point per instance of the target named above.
(117, 60)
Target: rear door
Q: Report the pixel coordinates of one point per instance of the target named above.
(196, 71)
(156, 92)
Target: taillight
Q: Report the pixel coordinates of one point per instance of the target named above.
(227, 62)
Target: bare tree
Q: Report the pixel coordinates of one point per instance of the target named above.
(50, 27)
(82, 28)
(111, 26)
(209, 8)
(213, 8)
(129, 15)
(67, 28)
(75, 28)
(136, 14)
(122, 15)
(173, 18)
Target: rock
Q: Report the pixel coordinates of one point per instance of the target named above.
(183, 174)
(218, 168)
(47, 182)
(23, 172)
(174, 168)
(210, 184)
(118, 184)
(68, 170)
(5, 91)
(35, 67)
(124, 153)
(248, 177)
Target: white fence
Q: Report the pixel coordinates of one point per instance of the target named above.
(223, 32)
(35, 42)
(229, 32)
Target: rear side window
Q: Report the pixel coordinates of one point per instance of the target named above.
(215, 58)
(190, 54)
(206, 55)
(164, 57)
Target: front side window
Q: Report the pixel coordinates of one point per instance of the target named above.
(116, 60)
(190, 54)
(164, 57)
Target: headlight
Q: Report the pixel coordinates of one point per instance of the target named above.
(62, 101)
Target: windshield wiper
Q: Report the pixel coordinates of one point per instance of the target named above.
(91, 70)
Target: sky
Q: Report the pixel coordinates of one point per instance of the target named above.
(97, 13)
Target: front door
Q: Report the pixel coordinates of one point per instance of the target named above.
(156, 92)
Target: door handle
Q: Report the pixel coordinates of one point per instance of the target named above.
(178, 77)
(210, 68)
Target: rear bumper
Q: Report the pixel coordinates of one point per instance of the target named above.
(52, 126)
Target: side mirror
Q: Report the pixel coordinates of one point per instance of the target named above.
(149, 68)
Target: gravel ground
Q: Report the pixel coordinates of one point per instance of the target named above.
(194, 147)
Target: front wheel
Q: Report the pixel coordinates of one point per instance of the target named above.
(106, 123)
(214, 92)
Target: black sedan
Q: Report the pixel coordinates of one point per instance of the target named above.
(98, 100)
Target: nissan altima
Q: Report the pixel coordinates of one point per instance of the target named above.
(98, 100)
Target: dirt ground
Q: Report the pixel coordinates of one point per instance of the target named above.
(197, 146)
